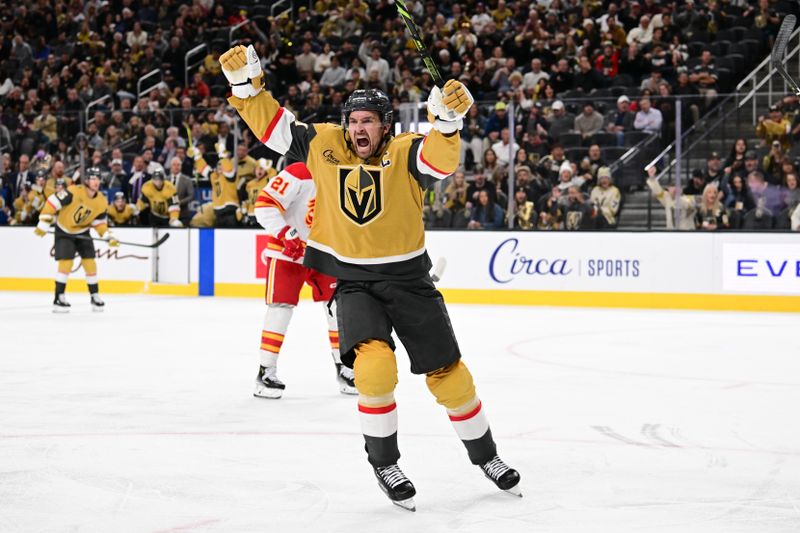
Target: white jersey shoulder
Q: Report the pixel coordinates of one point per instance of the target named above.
(287, 199)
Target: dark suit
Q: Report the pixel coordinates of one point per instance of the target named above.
(17, 179)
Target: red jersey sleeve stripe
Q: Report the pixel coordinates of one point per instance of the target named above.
(272, 125)
(422, 158)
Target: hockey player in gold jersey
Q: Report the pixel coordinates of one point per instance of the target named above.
(224, 186)
(160, 198)
(368, 233)
(120, 212)
(262, 174)
(76, 210)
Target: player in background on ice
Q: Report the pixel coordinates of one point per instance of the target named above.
(224, 188)
(160, 198)
(285, 208)
(120, 212)
(262, 174)
(368, 233)
(76, 210)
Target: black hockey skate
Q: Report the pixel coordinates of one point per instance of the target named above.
(397, 486)
(502, 475)
(267, 383)
(97, 303)
(346, 379)
(60, 304)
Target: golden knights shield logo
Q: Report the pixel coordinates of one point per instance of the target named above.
(361, 193)
(81, 215)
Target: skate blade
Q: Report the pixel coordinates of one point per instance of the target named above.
(347, 389)
(408, 505)
(271, 394)
(60, 310)
(515, 490)
(96, 309)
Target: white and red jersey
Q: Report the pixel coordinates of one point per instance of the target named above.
(287, 200)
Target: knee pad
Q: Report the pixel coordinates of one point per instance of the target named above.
(65, 265)
(89, 266)
(452, 385)
(375, 368)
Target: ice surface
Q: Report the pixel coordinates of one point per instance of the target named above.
(142, 419)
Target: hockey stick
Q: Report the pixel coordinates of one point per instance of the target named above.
(402, 10)
(156, 244)
(779, 50)
(438, 269)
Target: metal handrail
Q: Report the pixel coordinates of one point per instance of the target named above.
(193, 52)
(233, 30)
(154, 72)
(275, 7)
(95, 103)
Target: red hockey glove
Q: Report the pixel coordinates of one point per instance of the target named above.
(292, 245)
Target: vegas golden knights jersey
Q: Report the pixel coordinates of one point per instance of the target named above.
(368, 216)
(120, 218)
(162, 203)
(50, 185)
(224, 188)
(253, 188)
(77, 212)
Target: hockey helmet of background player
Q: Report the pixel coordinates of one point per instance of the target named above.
(92, 172)
(368, 100)
(41, 173)
(158, 175)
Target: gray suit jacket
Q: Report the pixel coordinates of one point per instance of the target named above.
(185, 188)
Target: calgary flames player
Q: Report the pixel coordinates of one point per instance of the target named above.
(285, 208)
(76, 210)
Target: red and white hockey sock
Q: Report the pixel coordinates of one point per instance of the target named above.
(378, 418)
(276, 322)
(472, 427)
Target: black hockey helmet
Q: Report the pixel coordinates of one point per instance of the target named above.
(368, 100)
(92, 172)
(158, 174)
(41, 173)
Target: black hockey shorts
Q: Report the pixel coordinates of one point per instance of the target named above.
(226, 217)
(413, 308)
(67, 245)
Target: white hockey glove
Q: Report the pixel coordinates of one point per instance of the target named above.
(175, 223)
(243, 69)
(449, 105)
(110, 239)
(43, 226)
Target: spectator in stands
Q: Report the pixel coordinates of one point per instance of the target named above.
(774, 127)
(532, 78)
(561, 121)
(577, 214)
(587, 78)
(696, 183)
(620, 120)
(562, 78)
(524, 211)
(472, 137)
(456, 193)
(711, 215)
(647, 118)
(673, 203)
(496, 122)
(478, 185)
(486, 214)
(738, 202)
(765, 195)
(503, 148)
(704, 77)
(771, 163)
(490, 165)
(607, 63)
(690, 102)
(22, 176)
(589, 122)
(136, 179)
(116, 178)
(606, 197)
(714, 173)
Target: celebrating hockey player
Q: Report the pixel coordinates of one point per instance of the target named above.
(224, 187)
(160, 198)
(285, 208)
(368, 233)
(76, 210)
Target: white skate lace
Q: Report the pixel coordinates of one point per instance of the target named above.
(495, 468)
(346, 372)
(392, 475)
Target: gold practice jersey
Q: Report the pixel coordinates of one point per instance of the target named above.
(368, 216)
(253, 188)
(77, 212)
(163, 203)
(120, 218)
